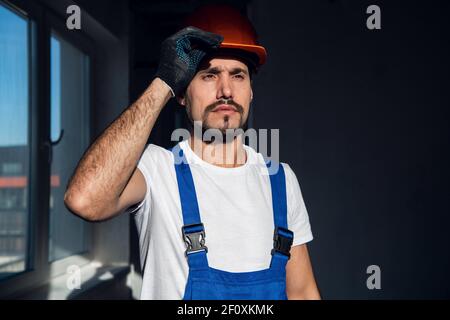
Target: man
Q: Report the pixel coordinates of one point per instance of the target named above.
(207, 218)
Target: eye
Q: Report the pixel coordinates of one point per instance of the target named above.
(208, 76)
(239, 76)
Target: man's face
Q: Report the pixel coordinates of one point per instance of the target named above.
(219, 95)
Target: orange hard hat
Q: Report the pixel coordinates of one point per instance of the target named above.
(237, 31)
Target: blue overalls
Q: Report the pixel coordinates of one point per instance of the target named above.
(206, 283)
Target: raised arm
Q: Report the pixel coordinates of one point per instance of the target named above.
(107, 166)
(106, 180)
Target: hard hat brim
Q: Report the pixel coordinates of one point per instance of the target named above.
(258, 50)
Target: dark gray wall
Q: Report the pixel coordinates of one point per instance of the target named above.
(363, 118)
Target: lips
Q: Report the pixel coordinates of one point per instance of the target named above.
(224, 107)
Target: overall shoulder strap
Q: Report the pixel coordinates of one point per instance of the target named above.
(279, 198)
(193, 230)
(186, 188)
(282, 236)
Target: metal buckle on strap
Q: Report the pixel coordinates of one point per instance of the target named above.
(194, 237)
(282, 241)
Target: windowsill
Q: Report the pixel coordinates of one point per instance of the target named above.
(93, 276)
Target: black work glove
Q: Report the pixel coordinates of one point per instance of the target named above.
(180, 55)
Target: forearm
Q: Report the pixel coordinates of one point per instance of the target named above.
(300, 281)
(106, 167)
(310, 292)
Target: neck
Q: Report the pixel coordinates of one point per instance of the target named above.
(226, 155)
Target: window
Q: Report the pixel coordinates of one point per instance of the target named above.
(70, 135)
(14, 142)
(27, 230)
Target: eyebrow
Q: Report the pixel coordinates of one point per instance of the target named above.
(217, 70)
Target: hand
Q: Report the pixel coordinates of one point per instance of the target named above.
(180, 55)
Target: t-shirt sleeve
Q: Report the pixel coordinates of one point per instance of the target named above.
(298, 219)
(145, 166)
(141, 211)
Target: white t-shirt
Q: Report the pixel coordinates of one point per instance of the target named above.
(235, 207)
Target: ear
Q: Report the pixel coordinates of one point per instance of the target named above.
(251, 94)
(181, 100)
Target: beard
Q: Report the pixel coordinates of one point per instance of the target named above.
(224, 130)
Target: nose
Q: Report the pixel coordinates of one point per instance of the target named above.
(224, 90)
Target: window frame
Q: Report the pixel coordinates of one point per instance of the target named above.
(42, 21)
(59, 266)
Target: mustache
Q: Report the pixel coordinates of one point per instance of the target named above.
(231, 102)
